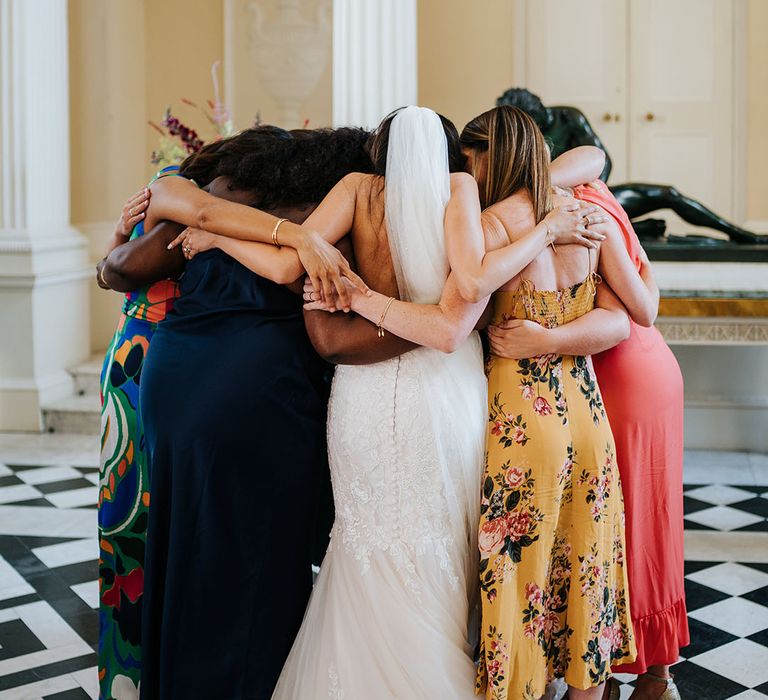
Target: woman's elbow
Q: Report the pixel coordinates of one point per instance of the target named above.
(623, 327)
(645, 316)
(469, 288)
(449, 340)
(205, 216)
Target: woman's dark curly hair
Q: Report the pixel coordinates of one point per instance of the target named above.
(282, 168)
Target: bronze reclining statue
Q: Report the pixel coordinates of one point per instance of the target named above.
(567, 127)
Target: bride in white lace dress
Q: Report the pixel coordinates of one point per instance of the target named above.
(389, 616)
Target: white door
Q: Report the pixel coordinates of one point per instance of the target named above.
(576, 54)
(681, 99)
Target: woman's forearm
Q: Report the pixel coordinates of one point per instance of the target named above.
(442, 326)
(144, 260)
(596, 331)
(177, 199)
(349, 339)
(577, 166)
(503, 264)
(281, 265)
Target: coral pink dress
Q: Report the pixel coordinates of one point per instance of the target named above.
(642, 390)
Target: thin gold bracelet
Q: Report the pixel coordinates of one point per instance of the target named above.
(380, 324)
(274, 233)
(550, 238)
(101, 277)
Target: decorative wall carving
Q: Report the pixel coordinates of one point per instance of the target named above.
(290, 54)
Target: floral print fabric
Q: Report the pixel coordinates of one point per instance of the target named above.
(551, 539)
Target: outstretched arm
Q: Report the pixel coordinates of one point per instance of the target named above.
(333, 217)
(478, 273)
(349, 339)
(178, 199)
(600, 329)
(577, 166)
(442, 326)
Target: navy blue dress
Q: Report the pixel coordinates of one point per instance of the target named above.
(233, 406)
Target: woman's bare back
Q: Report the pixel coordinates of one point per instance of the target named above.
(369, 236)
(558, 268)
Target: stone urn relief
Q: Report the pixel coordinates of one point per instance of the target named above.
(290, 53)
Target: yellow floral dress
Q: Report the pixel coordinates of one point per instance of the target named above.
(554, 586)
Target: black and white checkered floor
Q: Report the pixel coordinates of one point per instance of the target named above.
(48, 572)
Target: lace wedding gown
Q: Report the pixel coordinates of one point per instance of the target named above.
(389, 616)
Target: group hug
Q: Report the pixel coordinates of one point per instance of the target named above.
(419, 360)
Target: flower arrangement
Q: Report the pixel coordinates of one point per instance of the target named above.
(177, 140)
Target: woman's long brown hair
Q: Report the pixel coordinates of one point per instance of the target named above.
(518, 157)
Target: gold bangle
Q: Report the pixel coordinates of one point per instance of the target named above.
(550, 238)
(101, 276)
(274, 232)
(380, 324)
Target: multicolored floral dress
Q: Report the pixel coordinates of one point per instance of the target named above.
(552, 575)
(123, 491)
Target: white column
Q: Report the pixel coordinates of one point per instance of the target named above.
(44, 311)
(374, 59)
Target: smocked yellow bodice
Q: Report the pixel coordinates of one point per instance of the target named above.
(548, 307)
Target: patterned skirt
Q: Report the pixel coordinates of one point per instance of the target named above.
(552, 575)
(123, 504)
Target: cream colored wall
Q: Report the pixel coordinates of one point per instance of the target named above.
(129, 60)
(466, 55)
(757, 112)
(466, 60)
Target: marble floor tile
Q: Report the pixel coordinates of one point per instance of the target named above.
(12, 584)
(708, 545)
(741, 661)
(750, 695)
(89, 592)
(54, 555)
(76, 498)
(724, 518)
(731, 578)
(49, 449)
(89, 681)
(40, 689)
(709, 467)
(44, 475)
(720, 494)
(38, 521)
(18, 492)
(734, 615)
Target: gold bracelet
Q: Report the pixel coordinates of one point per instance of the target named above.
(101, 277)
(550, 238)
(380, 324)
(274, 232)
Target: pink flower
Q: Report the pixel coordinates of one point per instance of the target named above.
(605, 643)
(533, 593)
(542, 407)
(595, 511)
(491, 537)
(529, 632)
(514, 477)
(496, 430)
(518, 524)
(526, 390)
(551, 623)
(519, 436)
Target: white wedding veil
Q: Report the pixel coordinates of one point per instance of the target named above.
(417, 190)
